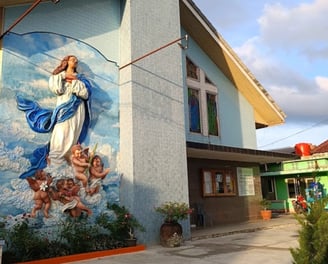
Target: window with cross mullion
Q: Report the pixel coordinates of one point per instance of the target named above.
(202, 102)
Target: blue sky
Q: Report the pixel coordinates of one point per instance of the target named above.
(284, 44)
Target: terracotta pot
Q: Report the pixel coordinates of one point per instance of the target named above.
(171, 234)
(266, 214)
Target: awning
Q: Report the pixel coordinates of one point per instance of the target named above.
(208, 151)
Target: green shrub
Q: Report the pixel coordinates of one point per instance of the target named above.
(23, 244)
(313, 235)
(122, 225)
(74, 235)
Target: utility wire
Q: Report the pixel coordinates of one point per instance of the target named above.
(299, 132)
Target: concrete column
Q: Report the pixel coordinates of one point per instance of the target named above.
(152, 140)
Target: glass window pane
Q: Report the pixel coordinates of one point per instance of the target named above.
(212, 115)
(192, 70)
(194, 113)
(229, 184)
(208, 188)
(291, 188)
(207, 80)
(219, 183)
(270, 185)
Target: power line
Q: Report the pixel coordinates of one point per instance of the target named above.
(299, 132)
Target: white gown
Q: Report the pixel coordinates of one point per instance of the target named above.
(66, 134)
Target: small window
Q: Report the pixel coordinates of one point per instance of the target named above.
(218, 183)
(194, 110)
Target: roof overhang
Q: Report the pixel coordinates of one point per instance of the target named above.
(266, 112)
(207, 151)
(300, 173)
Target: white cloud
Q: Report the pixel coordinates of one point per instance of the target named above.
(300, 28)
(288, 76)
(254, 58)
(300, 106)
(322, 82)
(39, 83)
(292, 91)
(12, 158)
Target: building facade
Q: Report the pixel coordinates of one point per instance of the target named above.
(305, 176)
(175, 111)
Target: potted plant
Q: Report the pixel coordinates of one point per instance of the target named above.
(126, 224)
(171, 231)
(123, 227)
(265, 212)
(131, 224)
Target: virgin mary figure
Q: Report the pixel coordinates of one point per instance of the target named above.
(68, 122)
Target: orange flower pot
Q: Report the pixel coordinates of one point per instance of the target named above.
(266, 214)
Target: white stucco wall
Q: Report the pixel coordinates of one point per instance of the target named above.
(153, 154)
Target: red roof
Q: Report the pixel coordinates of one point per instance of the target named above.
(322, 148)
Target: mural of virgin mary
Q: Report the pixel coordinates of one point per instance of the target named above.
(68, 122)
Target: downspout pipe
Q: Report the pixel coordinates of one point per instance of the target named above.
(29, 10)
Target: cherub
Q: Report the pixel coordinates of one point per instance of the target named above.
(80, 163)
(67, 195)
(97, 174)
(72, 188)
(40, 184)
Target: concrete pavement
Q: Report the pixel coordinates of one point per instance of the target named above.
(254, 242)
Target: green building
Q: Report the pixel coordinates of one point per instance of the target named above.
(307, 176)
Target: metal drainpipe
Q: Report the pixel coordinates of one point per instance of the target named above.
(29, 10)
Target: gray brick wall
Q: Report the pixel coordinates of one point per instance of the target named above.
(152, 140)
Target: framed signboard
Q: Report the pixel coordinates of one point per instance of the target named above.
(245, 180)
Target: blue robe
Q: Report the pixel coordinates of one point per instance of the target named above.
(43, 120)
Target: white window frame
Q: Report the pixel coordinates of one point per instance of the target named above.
(204, 88)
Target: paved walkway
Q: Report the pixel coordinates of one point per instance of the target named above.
(252, 242)
(251, 226)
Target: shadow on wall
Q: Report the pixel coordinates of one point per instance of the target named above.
(142, 199)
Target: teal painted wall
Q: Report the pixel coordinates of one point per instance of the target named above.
(281, 188)
(236, 116)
